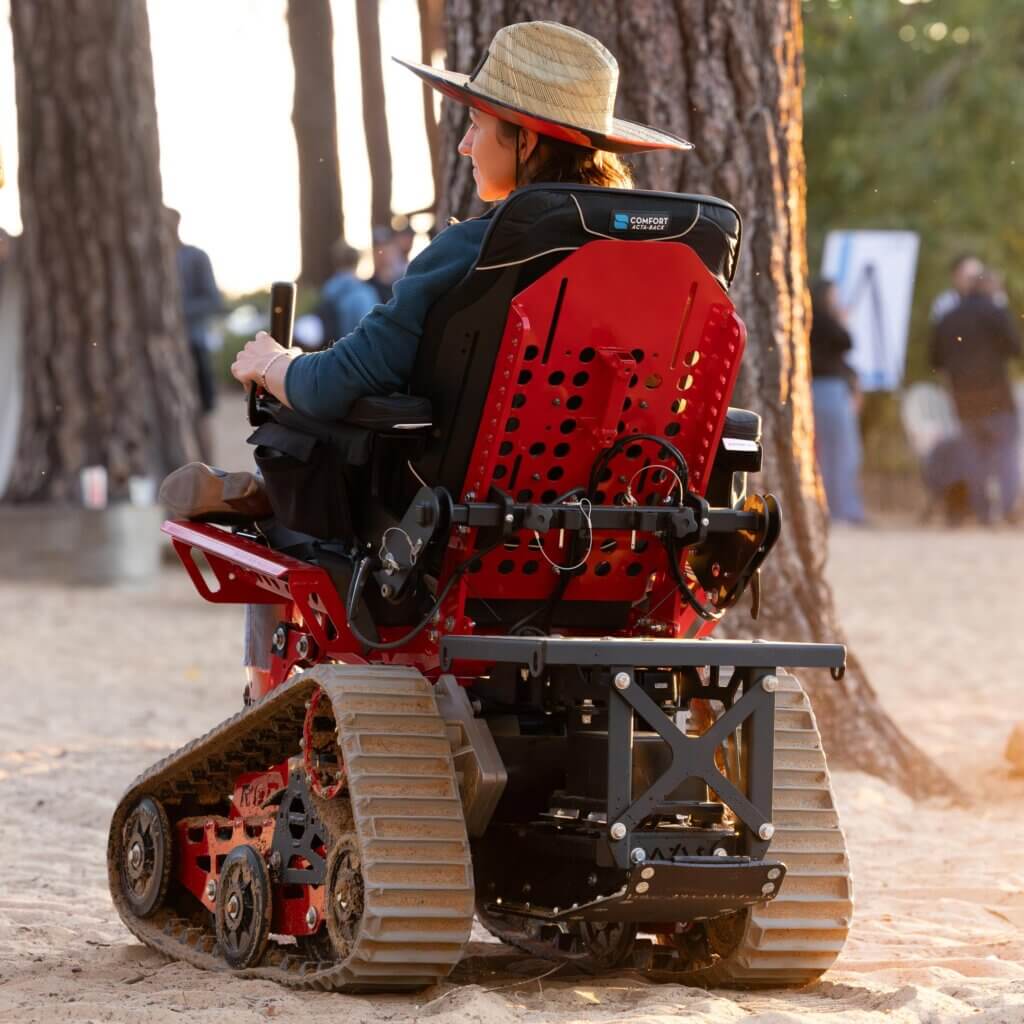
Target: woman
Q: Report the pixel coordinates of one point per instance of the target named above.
(834, 384)
(541, 103)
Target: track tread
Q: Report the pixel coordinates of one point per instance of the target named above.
(795, 938)
(418, 876)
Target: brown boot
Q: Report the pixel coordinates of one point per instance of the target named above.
(198, 491)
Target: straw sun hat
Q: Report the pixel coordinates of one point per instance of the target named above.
(552, 79)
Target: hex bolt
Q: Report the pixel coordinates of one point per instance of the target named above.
(509, 518)
(621, 680)
(766, 831)
(617, 831)
(638, 855)
(302, 646)
(774, 873)
(705, 522)
(768, 888)
(311, 918)
(211, 890)
(642, 887)
(770, 684)
(647, 873)
(280, 638)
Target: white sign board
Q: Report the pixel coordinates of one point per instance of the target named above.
(874, 274)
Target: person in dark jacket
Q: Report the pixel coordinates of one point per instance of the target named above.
(974, 344)
(344, 299)
(834, 387)
(201, 300)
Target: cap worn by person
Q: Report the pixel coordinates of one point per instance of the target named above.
(554, 80)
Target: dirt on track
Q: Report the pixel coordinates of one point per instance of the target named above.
(98, 684)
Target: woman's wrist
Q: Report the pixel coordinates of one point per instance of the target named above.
(266, 369)
(274, 372)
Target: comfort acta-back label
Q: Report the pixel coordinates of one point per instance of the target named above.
(639, 220)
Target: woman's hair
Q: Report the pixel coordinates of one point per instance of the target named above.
(555, 160)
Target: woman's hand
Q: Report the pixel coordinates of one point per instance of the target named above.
(253, 360)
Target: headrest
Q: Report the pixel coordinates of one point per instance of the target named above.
(540, 220)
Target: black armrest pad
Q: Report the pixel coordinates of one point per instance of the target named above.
(390, 412)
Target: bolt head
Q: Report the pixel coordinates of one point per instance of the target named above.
(621, 680)
(768, 888)
(617, 831)
(647, 873)
(770, 683)
(774, 873)
(721, 851)
(592, 878)
(449, 622)
(302, 647)
(211, 890)
(510, 519)
(638, 855)
(705, 521)
(311, 917)
(135, 855)
(766, 831)
(642, 887)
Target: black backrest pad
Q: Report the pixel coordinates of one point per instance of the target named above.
(531, 232)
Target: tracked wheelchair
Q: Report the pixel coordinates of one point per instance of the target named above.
(493, 689)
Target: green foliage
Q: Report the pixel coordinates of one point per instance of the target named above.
(914, 115)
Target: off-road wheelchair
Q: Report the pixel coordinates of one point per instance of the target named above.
(494, 690)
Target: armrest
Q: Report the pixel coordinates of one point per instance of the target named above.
(390, 412)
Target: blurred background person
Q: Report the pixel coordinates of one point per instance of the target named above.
(389, 261)
(345, 298)
(974, 344)
(963, 272)
(836, 400)
(201, 301)
(10, 356)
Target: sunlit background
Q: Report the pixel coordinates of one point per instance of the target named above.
(224, 82)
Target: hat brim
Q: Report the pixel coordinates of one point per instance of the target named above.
(625, 137)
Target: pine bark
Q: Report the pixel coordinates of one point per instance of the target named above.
(315, 120)
(375, 118)
(432, 38)
(109, 379)
(728, 75)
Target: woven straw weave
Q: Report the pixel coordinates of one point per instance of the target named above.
(553, 71)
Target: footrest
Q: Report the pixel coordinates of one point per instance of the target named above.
(683, 890)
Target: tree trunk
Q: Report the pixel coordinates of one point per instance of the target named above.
(315, 118)
(375, 117)
(728, 75)
(432, 39)
(109, 378)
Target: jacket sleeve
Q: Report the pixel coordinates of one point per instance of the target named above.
(377, 357)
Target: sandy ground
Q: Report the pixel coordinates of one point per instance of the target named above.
(97, 684)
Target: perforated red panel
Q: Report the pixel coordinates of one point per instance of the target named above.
(620, 338)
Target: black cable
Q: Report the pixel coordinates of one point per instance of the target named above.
(358, 582)
(706, 612)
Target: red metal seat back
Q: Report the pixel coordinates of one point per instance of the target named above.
(620, 338)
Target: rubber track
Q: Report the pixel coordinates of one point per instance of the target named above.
(796, 937)
(416, 866)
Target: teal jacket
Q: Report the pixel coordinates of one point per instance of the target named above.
(377, 357)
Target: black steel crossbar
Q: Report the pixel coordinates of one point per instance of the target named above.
(537, 652)
(681, 522)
